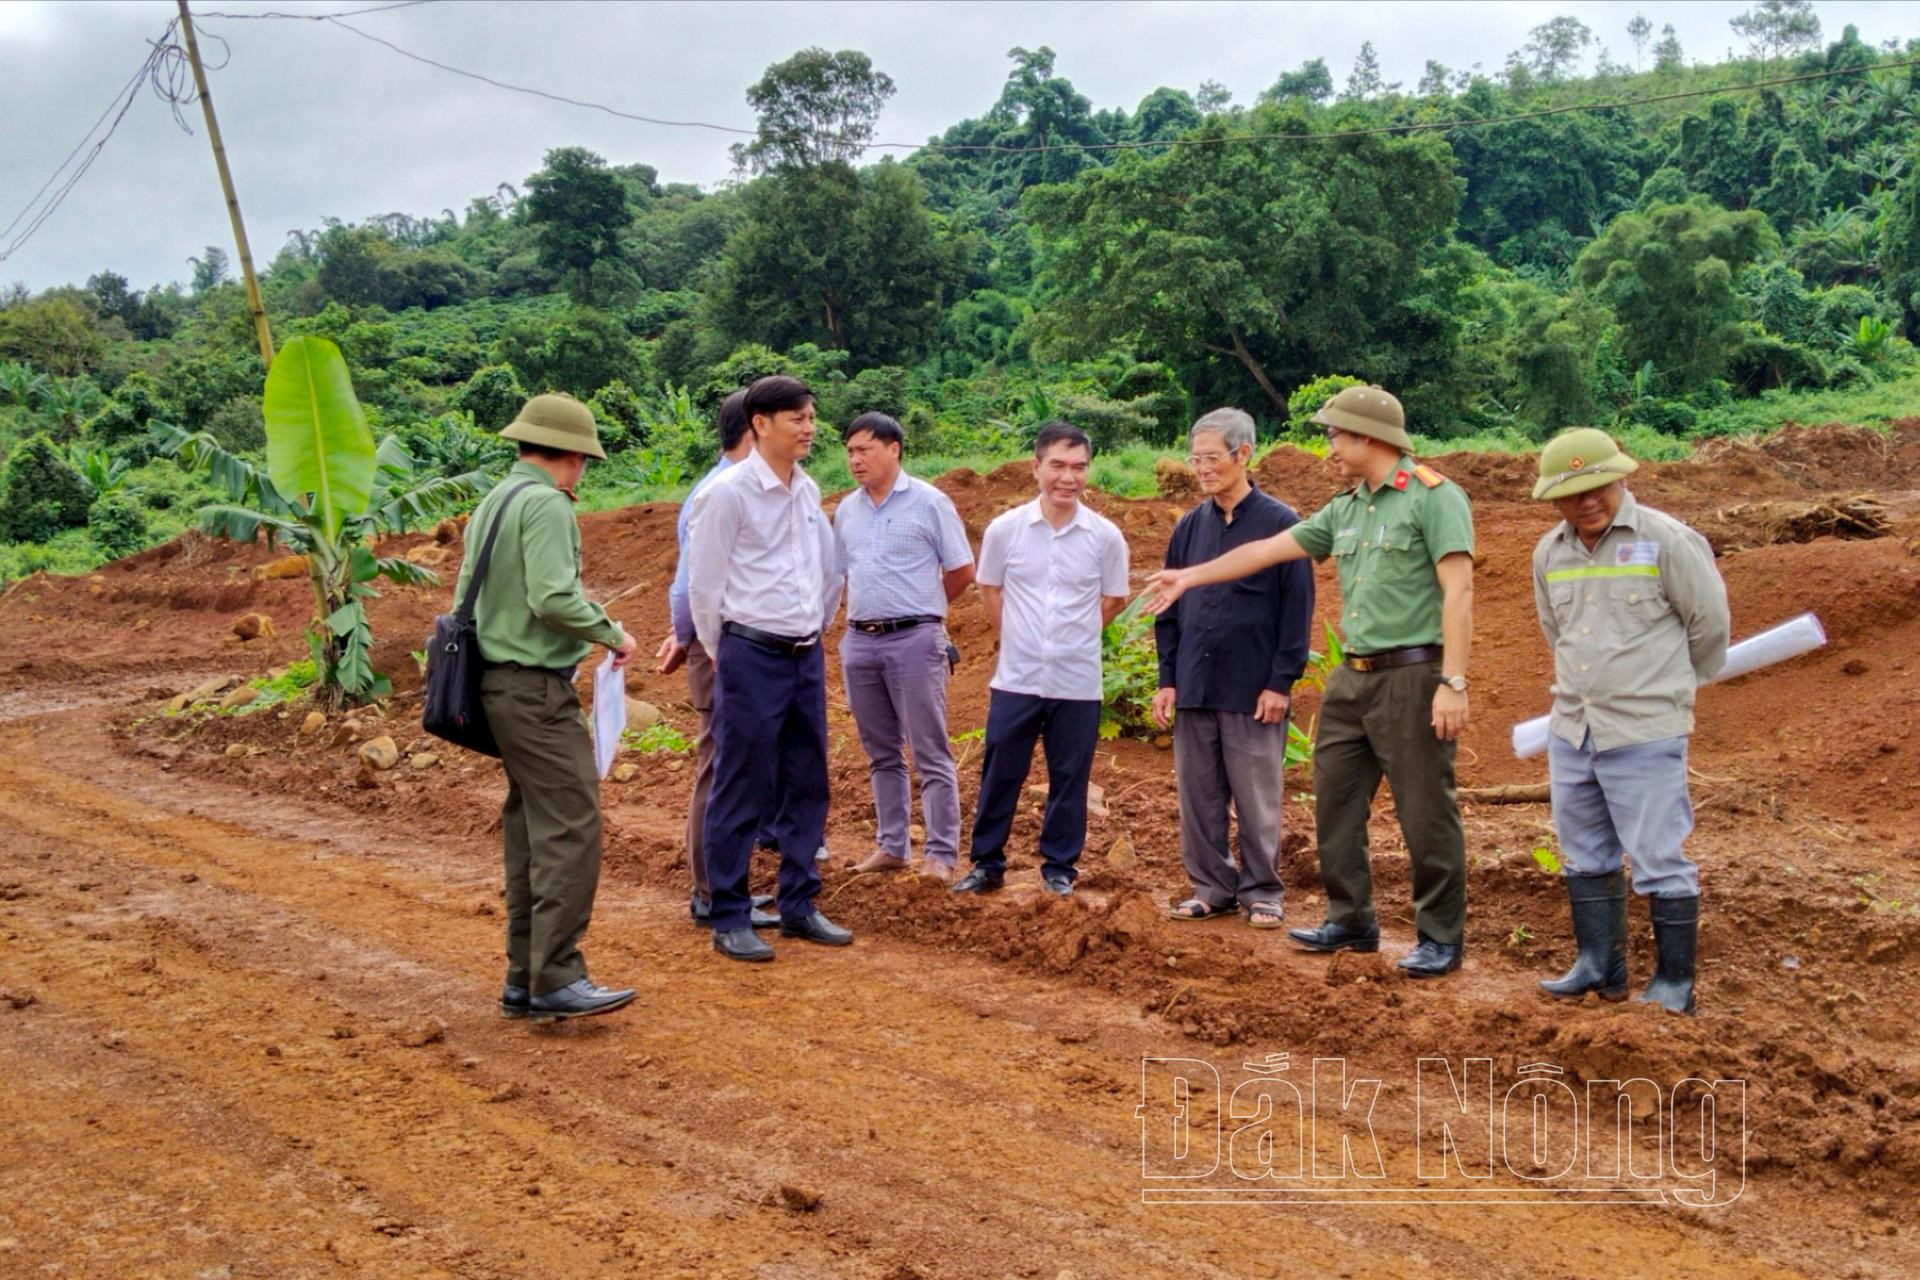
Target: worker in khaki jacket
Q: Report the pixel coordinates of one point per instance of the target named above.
(1636, 615)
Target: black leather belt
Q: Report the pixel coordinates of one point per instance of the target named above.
(766, 639)
(882, 626)
(1395, 657)
(565, 673)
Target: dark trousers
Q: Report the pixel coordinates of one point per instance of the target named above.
(549, 826)
(769, 740)
(1375, 723)
(1070, 730)
(700, 697)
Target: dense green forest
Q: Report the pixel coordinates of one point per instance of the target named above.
(1726, 258)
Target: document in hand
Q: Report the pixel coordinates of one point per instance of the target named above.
(609, 713)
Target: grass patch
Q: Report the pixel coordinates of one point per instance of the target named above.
(657, 738)
(1872, 405)
(271, 691)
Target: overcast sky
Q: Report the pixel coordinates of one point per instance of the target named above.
(320, 123)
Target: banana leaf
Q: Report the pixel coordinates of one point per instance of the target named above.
(318, 442)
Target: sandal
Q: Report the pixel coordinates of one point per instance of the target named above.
(1195, 909)
(1265, 915)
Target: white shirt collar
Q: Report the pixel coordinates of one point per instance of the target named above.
(765, 475)
(1082, 515)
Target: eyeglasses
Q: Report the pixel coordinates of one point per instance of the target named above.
(1208, 459)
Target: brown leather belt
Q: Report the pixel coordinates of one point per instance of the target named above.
(1395, 657)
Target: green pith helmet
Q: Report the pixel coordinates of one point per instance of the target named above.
(1578, 460)
(558, 422)
(1370, 412)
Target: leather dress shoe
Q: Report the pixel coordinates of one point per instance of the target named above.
(578, 999)
(982, 879)
(1431, 959)
(1060, 886)
(741, 944)
(1338, 937)
(513, 1001)
(816, 928)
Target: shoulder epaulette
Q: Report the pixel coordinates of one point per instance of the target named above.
(1428, 476)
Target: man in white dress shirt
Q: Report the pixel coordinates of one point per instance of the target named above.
(1053, 573)
(763, 585)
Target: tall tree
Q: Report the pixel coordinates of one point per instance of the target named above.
(1554, 47)
(209, 269)
(1311, 81)
(1668, 275)
(1365, 81)
(1434, 80)
(1212, 97)
(815, 108)
(577, 207)
(844, 260)
(1640, 30)
(1286, 259)
(1667, 54)
(1775, 28)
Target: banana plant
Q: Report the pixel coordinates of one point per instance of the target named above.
(1320, 665)
(327, 492)
(103, 472)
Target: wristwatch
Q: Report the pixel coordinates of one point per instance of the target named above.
(1456, 683)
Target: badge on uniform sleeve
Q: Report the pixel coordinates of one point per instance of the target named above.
(1400, 479)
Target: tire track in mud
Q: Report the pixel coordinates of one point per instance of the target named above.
(258, 1051)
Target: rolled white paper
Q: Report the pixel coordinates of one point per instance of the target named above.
(1790, 639)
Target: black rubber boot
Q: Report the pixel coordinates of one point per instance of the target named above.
(1676, 932)
(1599, 906)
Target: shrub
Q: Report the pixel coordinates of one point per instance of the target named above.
(238, 424)
(134, 405)
(1108, 423)
(117, 523)
(1306, 401)
(491, 396)
(1669, 417)
(40, 493)
(616, 410)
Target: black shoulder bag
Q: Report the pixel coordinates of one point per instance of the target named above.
(452, 708)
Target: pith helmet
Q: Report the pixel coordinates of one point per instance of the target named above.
(1578, 460)
(558, 422)
(1370, 412)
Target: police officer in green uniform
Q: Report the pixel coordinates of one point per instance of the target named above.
(1402, 543)
(535, 625)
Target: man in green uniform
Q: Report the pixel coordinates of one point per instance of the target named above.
(535, 625)
(1402, 544)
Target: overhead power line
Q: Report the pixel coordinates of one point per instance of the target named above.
(165, 69)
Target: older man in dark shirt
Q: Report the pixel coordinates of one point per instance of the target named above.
(1229, 656)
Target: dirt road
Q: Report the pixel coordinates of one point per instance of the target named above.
(246, 984)
(252, 1041)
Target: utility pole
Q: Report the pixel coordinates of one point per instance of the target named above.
(254, 304)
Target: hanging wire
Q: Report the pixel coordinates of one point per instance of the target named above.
(168, 72)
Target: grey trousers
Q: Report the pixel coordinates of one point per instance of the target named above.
(897, 691)
(1627, 801)
(1222, 757)
(700, 696)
